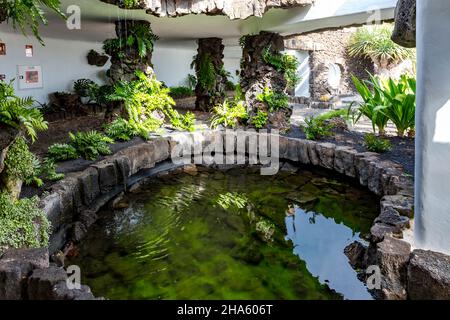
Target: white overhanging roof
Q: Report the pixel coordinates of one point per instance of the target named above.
(96, 17)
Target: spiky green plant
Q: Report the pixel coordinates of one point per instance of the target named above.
(375, 42)
(400, 102)
(373, 99)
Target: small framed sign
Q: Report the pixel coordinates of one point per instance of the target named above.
(30, 77)
(2, 49)
(29, 51)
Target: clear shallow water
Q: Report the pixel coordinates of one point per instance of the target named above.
(237, 235)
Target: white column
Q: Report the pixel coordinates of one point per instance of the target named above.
(432, 178)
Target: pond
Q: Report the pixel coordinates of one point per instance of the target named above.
(230, 235)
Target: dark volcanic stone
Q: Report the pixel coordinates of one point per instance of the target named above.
(429, 276)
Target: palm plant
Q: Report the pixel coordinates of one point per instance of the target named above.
(371, 105)
(29, 13)
(374, 42)
(400, 102)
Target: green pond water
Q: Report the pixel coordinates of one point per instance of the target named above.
(233, 235)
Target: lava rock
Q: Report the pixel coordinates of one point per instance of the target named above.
(390, 216)
(15, 266)
(41, 282)
(429, 276)
(355, 252)
(392, 257)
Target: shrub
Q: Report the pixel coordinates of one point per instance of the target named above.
(259, 121)
(229, 114)
(375, 42)
(22, 223)
(21, 164)
(90, 145)
(181, 92)
(375, 144)
(316, 128)
(62, 152)
(274, 100)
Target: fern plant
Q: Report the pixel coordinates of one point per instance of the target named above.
(19, 112)
(274, 100)
(120, 129)
(259, 121)
(145, 96)
(286, 63)
(229, 114)
(91, 144)
(62, 152)
(29, 14)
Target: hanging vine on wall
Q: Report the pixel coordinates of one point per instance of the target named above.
(206, 74)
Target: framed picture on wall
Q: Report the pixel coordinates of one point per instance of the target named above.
(2, 49)
(30, 77)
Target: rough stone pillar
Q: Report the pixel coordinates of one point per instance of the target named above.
(123, 68)
(432, 178)
(256, 74)
(405, 23)
(211, 80)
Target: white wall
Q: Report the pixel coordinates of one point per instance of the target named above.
(302, 89)
(62, 61)
(63, 58)
(172, 60)
(432, 178)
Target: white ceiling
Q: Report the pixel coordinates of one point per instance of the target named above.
(97, 20)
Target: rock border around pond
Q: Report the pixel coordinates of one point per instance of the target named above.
(72, 204)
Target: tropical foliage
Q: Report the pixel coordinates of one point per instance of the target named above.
(274, 100)
(90, 145)
(388, 99)
(259, 121)
(139, 37)
(181, 92)
(62, 152)
(22, 223)
(229, 114)
(375, 42)
(286, 63)
(143, 99)
(19, 112)
(29, 14)
(376, 144)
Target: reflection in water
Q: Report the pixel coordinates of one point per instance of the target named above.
(223, 236)
(320, 242)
